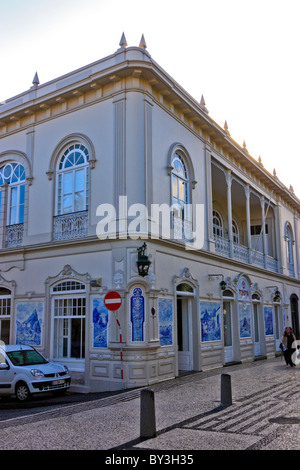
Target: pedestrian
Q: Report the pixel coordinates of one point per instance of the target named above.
(287, 342)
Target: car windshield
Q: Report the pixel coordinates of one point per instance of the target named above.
(26, 358)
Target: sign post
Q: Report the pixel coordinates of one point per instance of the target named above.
(113, 302)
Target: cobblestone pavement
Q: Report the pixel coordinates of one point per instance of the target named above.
(264, 415)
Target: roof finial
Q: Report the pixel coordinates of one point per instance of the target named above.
(226, 128)
(143, 44)
(35, 80)
(123, 42)
(203, 104)
(259, 160)
(274, 173)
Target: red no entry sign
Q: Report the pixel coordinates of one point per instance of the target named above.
(112, 300)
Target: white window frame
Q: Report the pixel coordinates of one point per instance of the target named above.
(182, 217)
(11, 186)
(6, 316)
(219, 228)
(64, 296)
(62, 171)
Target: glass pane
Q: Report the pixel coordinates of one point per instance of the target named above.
(277, 322)
(227, 324)
(7, 171)
(70, 161)
(13, 216)
(256, 331)
(182, 325)
(22, 173)
(184, 288)
(14, 196)
(185, 327)
(174, 186)
(21, 214)
(80, 160)
(77, 338)
(4, 329)
(79, 202)
(22, 194)
(182, 191)
(67, 204)
(68, 183)
(79, 180)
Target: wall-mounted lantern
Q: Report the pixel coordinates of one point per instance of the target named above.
(277, 296)
(143, 262)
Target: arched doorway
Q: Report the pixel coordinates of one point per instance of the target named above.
(184, 297)
(5, 312)
(257, 325)
(228, 298)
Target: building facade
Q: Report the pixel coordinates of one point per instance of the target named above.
(96, 163)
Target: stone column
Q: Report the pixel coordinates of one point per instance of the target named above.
(248, 217)
(209, 203)
(263, 230)
(229, 211)
(3, 213)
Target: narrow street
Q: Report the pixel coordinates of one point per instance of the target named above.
(265, 414)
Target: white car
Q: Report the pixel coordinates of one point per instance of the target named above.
(24, 371)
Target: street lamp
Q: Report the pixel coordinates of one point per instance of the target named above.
(143, 262)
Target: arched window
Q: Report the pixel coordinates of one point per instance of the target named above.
(217, 225)
(179, 181)
(69, 313)
(13, 174)
(73, 180)
(235, 232)
(289, 241)
(180, 198)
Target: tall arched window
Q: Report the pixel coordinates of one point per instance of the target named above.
(235, 232)
(13, 174)
(69, 313)
(217, 225)
(289, 241)
(73, 181)
(180, 198)
(179, 181)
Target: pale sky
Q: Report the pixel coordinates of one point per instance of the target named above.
(242, 55)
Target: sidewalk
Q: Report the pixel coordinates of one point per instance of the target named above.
(265, 414)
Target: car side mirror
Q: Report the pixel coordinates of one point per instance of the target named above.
(3, 366)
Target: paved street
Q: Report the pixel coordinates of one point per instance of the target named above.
(265, 415)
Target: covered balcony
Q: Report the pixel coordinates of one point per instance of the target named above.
(244, 222)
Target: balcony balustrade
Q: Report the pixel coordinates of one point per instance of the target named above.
(241, 253)
(69, 226)
(13, 235)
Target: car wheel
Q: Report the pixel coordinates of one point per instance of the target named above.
(22, 392)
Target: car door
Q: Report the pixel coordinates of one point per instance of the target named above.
(6, 375)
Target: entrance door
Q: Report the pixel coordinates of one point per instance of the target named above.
(184, 334)
(227, 329)
(278, 327)
(257, 350)
(295, 316)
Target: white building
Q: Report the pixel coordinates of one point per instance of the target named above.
(122, 132)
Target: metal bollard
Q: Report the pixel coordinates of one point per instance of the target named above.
(226, 395)
(147, 415)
